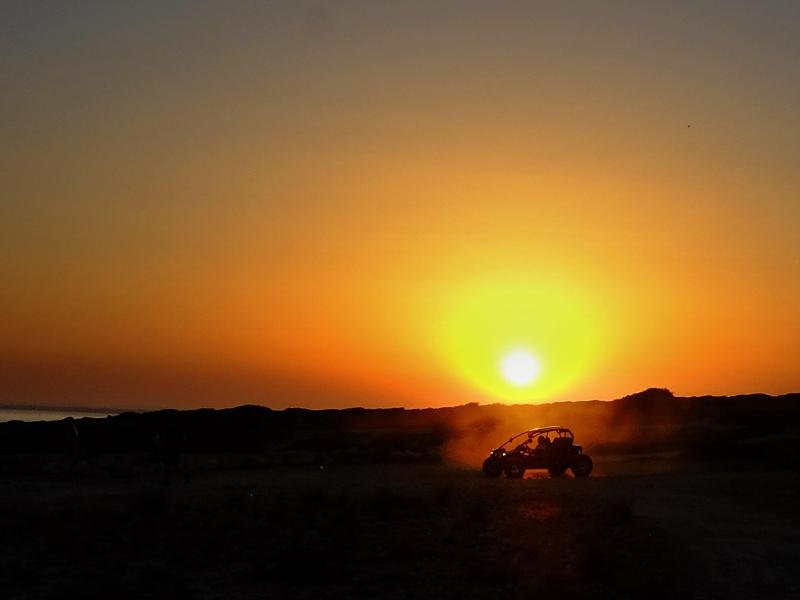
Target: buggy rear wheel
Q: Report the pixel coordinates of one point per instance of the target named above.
(582, 465)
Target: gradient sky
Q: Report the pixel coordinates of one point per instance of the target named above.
(368, 203)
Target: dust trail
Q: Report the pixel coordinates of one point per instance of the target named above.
(640, 422)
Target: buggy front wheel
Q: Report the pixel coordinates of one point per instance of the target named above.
(492, 467)
(582, 466)
(514, 468)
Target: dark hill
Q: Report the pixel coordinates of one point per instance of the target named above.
(649, 421)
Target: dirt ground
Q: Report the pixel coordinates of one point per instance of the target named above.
(641, 526)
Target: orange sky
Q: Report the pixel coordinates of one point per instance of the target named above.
(368, 204)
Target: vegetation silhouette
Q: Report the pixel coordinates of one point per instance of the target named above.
(650, 421)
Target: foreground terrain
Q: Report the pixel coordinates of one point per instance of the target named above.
(641, 526)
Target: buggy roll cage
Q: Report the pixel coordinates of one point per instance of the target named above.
(562, 431)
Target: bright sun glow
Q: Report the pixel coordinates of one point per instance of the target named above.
(518, 337)
(520, 368)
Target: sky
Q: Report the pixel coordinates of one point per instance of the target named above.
(329, 204)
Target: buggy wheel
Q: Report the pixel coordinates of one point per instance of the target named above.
(556, 470)
(582, 465)
(492, 467)
(514, 468)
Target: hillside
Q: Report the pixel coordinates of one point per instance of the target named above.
(650, 421)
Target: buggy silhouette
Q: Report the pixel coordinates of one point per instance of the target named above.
(550, 448)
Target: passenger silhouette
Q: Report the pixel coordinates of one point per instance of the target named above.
(523, 447)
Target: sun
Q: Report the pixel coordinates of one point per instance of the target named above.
(520, 368)
(514, 337)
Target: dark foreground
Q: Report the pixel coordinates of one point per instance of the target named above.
(640, 527)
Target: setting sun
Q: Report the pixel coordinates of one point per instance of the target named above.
(519, 336)
(520, 368)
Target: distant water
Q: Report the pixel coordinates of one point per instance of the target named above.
(10, 414)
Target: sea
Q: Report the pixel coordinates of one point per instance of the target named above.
(14, 414)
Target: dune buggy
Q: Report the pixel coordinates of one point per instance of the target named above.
(550, 448)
